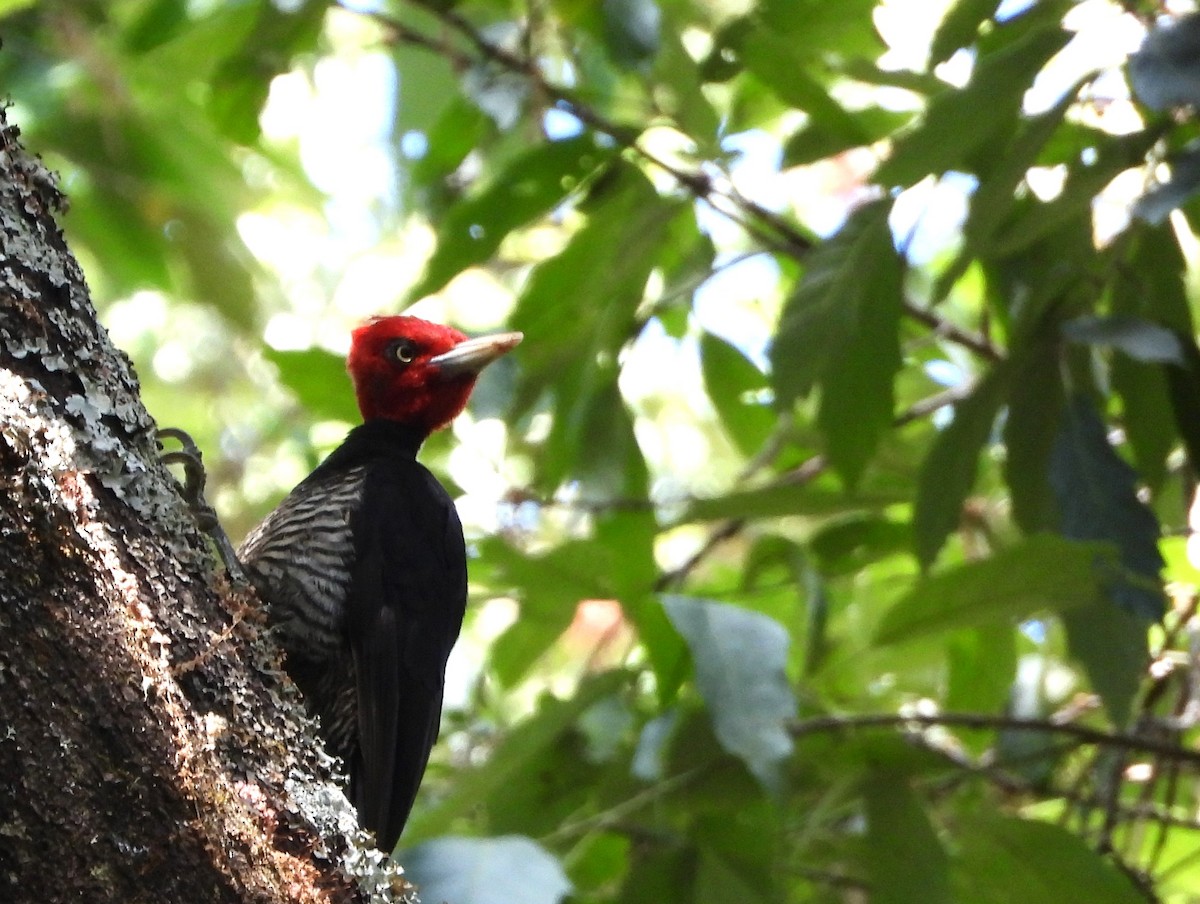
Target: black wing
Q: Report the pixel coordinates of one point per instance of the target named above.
(405, 608)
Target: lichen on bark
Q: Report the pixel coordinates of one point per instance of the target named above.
(150, 747)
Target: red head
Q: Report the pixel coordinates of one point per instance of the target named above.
(416, 372)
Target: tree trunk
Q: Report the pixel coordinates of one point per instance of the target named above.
(149, 747)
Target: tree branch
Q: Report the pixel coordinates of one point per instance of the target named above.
(767, 227)
(986, 722)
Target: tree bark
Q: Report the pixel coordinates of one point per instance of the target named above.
(150, 748)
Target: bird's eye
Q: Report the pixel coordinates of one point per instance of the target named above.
(403, 352)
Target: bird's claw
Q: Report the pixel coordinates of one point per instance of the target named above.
(194, 480)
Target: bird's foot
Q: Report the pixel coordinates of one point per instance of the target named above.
(192, 488)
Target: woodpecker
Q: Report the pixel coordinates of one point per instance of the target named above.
(363, 566)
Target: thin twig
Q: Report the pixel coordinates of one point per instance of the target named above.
(766, 226)
(988, 722)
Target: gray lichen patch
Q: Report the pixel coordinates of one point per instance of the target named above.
(148, 737)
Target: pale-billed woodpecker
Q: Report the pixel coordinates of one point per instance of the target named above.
(363, 565)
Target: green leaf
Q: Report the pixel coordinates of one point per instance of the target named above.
(993, 200)
(157, 23)
(319, 380)
(1034, 413)
(1183, 389)
(240, 84)
(907, 863)
(843, 278)
(857, 393)
(948, 472)
(779, 61)
(684, 101)
(1002, 860)
(1147, 417)
(959, 28)
(733, 384)
(515, 758)
(850, 543)
(8, 7)
(458, 129)
(982, 665)
(1140, 339)
(1150, 285)
(960, 121)
(486, 871)
(577, 312)
(737, 854)
(1097, 494)
(618, 563)
(528, 187)
(661, 873)
(1042, 573)
(1034, 221)
(632, 30)
(820, 138)
(844, 28)
(1113, 647)
(740, 659)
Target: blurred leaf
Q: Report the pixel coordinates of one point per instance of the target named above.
(319, 380)
(1140, 339)
(1097, 494)
(1113, 647)
(733, 383)
(159, 21)
(1042, 573)
(820, 137)
(850, 543)
(1163, 73)
(659, 873)
(740, 659)
(577, 312)
(778, 61)
(844, 28)
(1183, 389)
(1149, 285)
(948, 472)
(558, 785)
(599, 859)
(907, 863)
(857, 394)
(1146, 415)
(519, 755)
(738, 854)
(458, 129)
(1002, 860)
(486, 871)
(240, 84)
(684, 101)
(530, 185)
(959, 121)
(632, 30)
(1036, 220)
(1034, 413)
(982, 665)
(843, 279)
(1172, 194)
(959, 27)
(992, 202)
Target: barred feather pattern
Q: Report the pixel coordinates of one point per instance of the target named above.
(300, 559)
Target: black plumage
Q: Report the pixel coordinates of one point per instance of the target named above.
(364, 569)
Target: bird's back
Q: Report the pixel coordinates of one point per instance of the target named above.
(364, 570)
